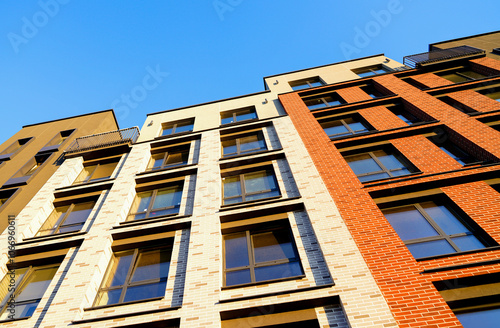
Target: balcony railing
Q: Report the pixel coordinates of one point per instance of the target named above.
(418, 60)
(102, 140)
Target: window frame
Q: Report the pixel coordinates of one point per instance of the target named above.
(269, 172)
(175, 125)
(21, 284)
(178, 184)
(166, 153)
(237, 138)
(13, 148)
(89, 179)
(167, 247)
(350, 132)
(234, 115)
(390, 151)
(464, 159)
(306, 83)
(460, 72)
(60, 222)
(252, 265)
(325, 104)
(371, 70)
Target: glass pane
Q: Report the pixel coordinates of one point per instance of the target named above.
(335, 128)
(233, 200)
(400, 172)
(278, 271)
(184, 127)
(300, 86)
(372, 177)
(141, 202)
(157, 161)
(109, 297)
(315, 83)
(251, 143)
(409, 223)
(79, 213)
(232, 186)
(473, 75)
(226, 117)
(176, 158)
(53, 221)
(22, 311)
(444, 218)
(272, 245)
(467, 243)
(246, 114)
(238, 277)
(117, 272)
(430, 248)
(236, 250)
(356, 126)
(5, 284)
(103, 171)
(315, 103)
(85, 173)
(229, 147)
(362, 164)
(167, 197)
(151, 265)
(167, 131)
(486, 318)
(453, 77)
(259, 181)
(145, 291)
(407, 118)
(36, 285)
(388, 160)
(494, 95)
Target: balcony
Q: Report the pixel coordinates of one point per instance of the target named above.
(438, 56)
(103, 140)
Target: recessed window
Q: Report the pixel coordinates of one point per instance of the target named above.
(243, 144)
(432, 228)
(5, 195)
(135, 275)
(250, 186)
(170, 158)
(31, 282)
(456, 104)
(68, 218)
(177, 127)
(157, 202)
(371, 70)
(345, 126)
(378, 164)
(259, 255)
(454, 151)
(460, 75)
(306, 83)
(238, 115)
(58, 139)
(372, 92)
(493, 93)
(96, 172)
(13, 148)
(325, 101)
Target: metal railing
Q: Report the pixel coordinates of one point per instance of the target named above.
(425, 58)
(105, 139)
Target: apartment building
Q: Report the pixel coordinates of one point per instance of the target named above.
(411, 160)
(215, 216)
(33, 154)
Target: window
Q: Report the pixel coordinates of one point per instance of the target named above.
(260, 255)
(31, 283)
(372, 92)
(432, 228)
(455, 104)
(238, 115)
(27, 170)
(178, 127)
(5, 195)
(134, 275)
(243, 144)
(345, 127)
(250, 186)
(158, 202)
(306, 83)
(378, 164)
(170, 158)
(69, 218)
(325, 101)
(371, 70)
(492, 93)
(97, 172)
(461, 75)
(13, 148)
(454, 151)
(58, 139)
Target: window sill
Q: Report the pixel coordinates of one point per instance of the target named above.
(51, 237)
(122, 304)
(263, 282)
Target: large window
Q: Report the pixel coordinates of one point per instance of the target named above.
(242, 114)
(8, 152)
(325, 101)
(158, 202)
(493, 93)
(69, 218)
(454, 151)
(177, 127)
(96, 172)
(57, 140)
(460, 75)
(432, 228)
(260, 255)
(378, 164)
(250, 186)
(243, 144)
(306, 83)
(345, 126)
(31, 283)
(170, 158)
(134, 275)
(403, 114)
(371, 70)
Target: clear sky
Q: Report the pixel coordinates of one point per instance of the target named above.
(61, 58)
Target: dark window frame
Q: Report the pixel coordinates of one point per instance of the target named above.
(176, 185)
(371, 70)
(60, 222)
(306, 83)
(233, 114)
(166, 154)
(89, 179)
(237, 139)
(177, 124)
(455, 152)
(269, 173)
(324, 102)
(355, 117)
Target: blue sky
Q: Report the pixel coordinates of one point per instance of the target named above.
(61, 58)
